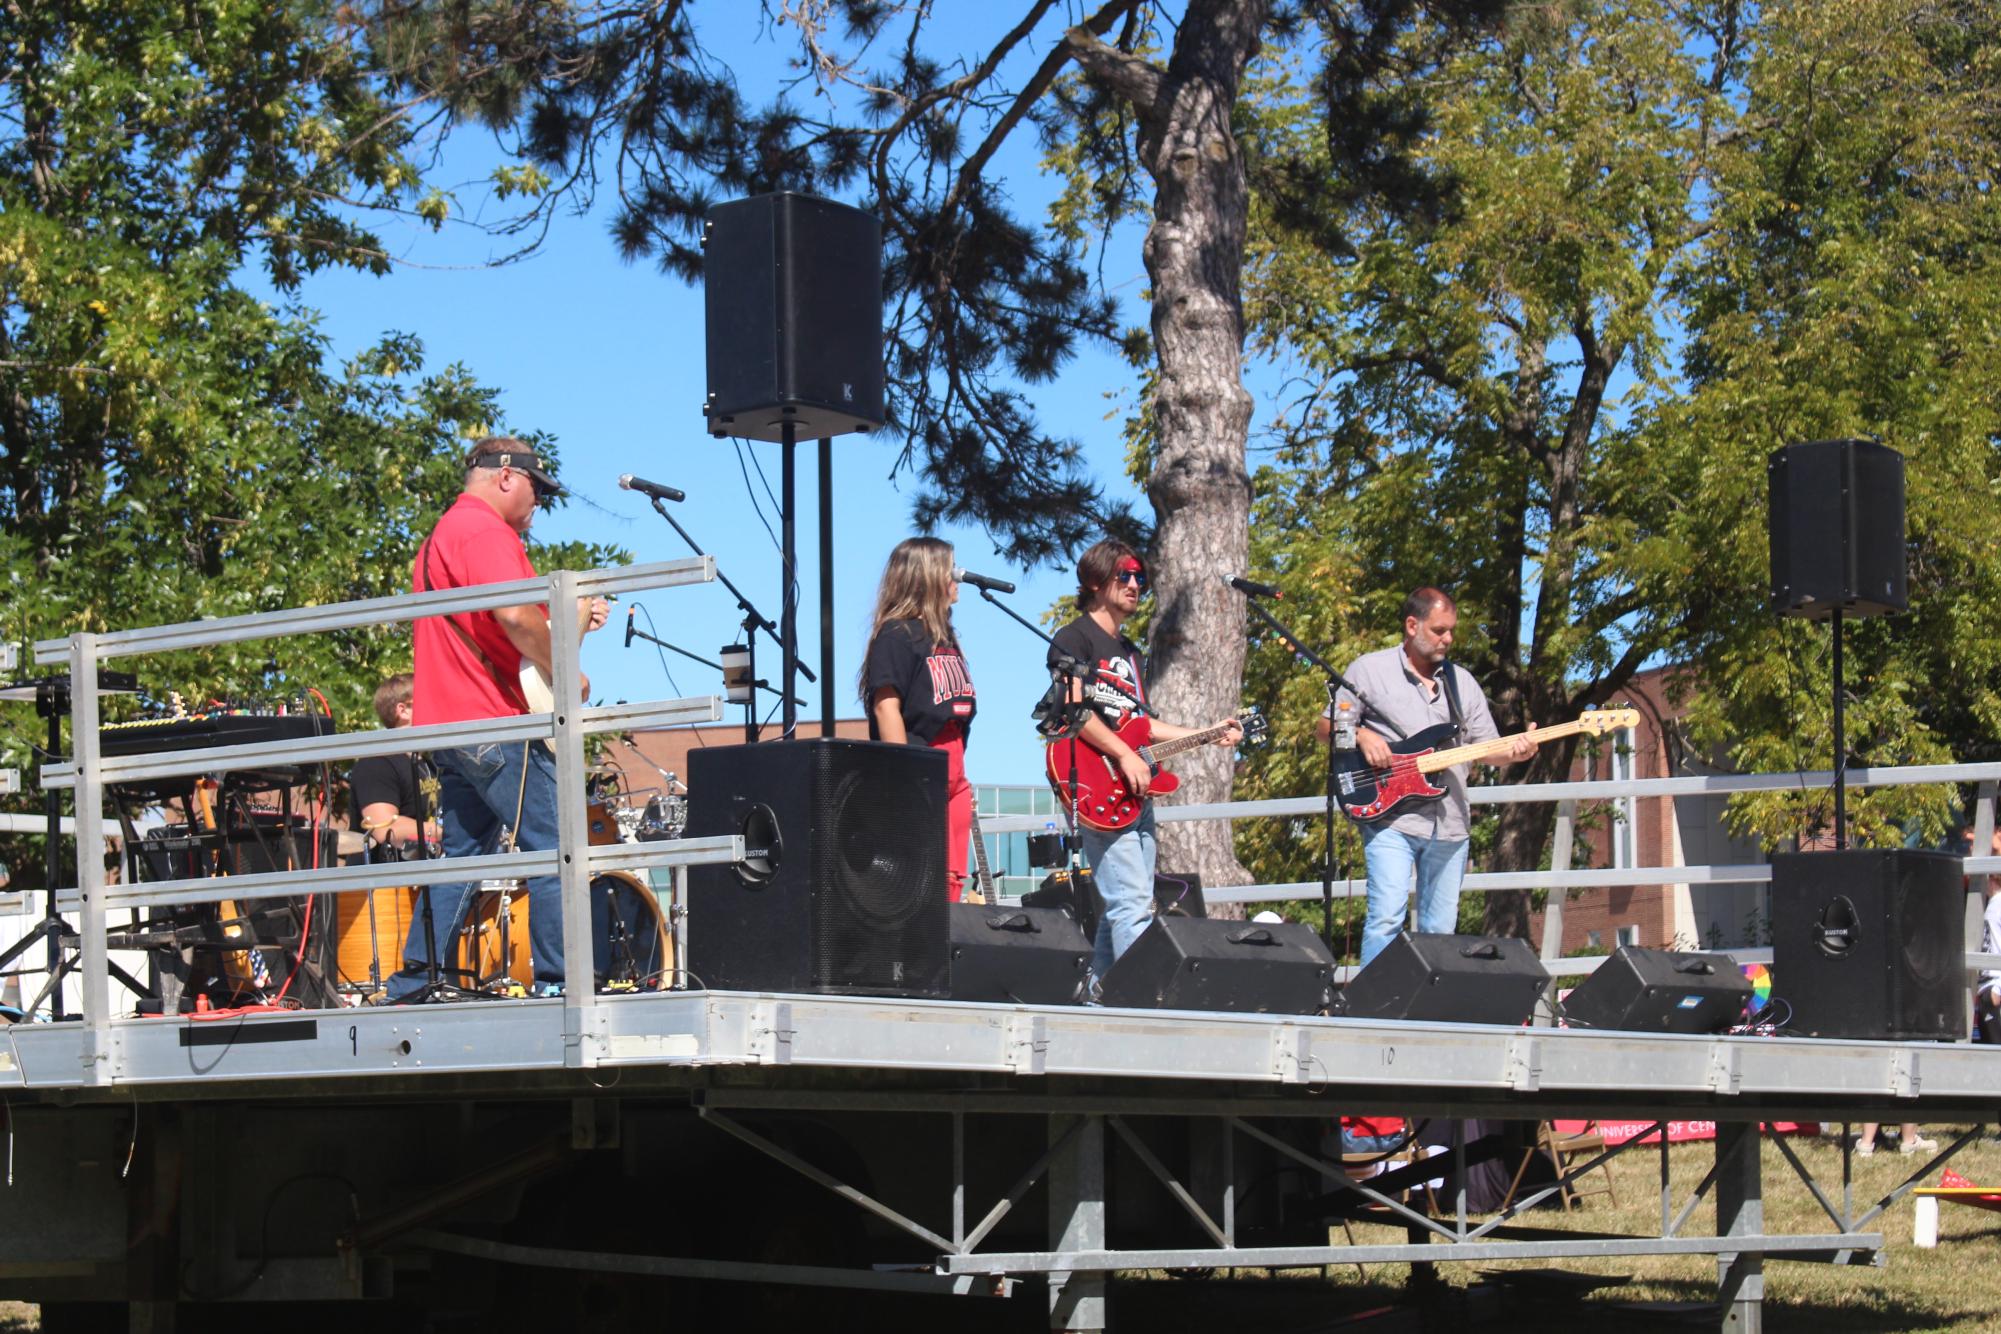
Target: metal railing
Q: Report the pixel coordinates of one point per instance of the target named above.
(89, 772)
(1567, 796)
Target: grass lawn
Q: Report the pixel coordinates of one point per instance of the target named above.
(1955, 1287)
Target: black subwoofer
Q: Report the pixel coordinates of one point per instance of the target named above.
(843, 887)
(1870, 943)
(1201, 963)
(1017, 955)
(1448, 979)
(1660, 991)
(792, 299)
(1837, 529)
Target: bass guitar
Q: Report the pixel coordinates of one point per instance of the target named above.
(1369, 794)
(1103, 800)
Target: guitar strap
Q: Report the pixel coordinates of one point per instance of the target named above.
(509, 688)
(1450, 676)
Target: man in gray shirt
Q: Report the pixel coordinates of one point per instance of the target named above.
(1402, 691)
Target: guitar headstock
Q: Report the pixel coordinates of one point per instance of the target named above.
(1597, 722)
(1256, 730)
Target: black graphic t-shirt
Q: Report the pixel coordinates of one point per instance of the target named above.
(1121, 666)
(931, 679)
(380, 778)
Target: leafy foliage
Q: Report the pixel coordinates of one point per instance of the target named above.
(171, 447)
(1650, 244)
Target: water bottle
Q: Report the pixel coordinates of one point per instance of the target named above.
(1344, 724)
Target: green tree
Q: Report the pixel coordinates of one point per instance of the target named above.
(170, 446)
(1551, 386)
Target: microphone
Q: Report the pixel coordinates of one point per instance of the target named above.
(992, 585)
(1256, 590)
(629, 613)
(646, 488)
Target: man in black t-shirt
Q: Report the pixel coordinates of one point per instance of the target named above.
(1110, 579)
(391, 797)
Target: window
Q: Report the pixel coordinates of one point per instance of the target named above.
(1593, 941)
(1629, 935)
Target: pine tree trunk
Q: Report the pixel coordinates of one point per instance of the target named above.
(1199, 485)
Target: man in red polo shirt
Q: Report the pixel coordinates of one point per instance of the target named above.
(468, 667)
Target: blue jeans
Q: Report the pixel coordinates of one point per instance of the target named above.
(478, 790)
(1122, 864)
(1439, 865)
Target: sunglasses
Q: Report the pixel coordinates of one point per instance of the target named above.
(1131, 576)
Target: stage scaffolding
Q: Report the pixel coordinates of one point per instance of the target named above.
(1092, 1078)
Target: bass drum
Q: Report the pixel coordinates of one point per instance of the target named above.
(370, 927)
(631, 944)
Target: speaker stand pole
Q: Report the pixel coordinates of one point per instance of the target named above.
(1840, 745)
(788, 615)
(826, 585)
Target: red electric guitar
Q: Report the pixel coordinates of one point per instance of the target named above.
(1106, 803)
(1369, 794)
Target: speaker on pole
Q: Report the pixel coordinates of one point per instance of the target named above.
(1448, 979)
(1660, 991)
(1837, 529)
(792, 303)
(1869, 943)
(842, 889)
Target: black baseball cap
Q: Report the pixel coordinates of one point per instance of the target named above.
(519, 457)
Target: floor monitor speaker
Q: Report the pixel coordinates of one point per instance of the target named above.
(1017, 955)
(792, 303)
(1660, 991)
(842, 889)
(1202, 963)
(1449, 979)
(1869, 943)
(1837, 529)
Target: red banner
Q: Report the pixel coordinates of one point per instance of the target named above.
(1678, 1132)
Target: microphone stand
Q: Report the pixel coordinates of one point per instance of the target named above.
(1335, 683)
(769, 689)
(753, 621)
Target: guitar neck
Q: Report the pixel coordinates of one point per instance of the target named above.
(985, 874)
(1480, 750)
(1160, 750)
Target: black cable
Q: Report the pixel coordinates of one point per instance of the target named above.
(264, 1236)
(659, 652)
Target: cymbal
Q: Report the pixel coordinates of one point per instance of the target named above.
(351, 843)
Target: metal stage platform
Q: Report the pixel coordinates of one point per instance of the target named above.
(168, 1162)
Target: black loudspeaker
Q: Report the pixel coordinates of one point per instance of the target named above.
(1024, 956)
(1837, 529)
(1870, 944)
(1660, 991)
(1449, 979)
(843, 886)
(1196, 963)
(792, 298)
(1076, 892)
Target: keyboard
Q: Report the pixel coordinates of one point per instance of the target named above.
(147, 735)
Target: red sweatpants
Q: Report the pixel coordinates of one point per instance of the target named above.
(958, 807)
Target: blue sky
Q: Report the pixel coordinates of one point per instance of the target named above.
(609, 357)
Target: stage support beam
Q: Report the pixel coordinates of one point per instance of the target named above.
(1077, 1222)
(1740, 1211)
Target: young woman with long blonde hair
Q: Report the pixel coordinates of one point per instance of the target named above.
(914, 681)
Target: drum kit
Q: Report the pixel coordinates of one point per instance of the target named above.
(632, 942)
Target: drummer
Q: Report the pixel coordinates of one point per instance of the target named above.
(388, 795)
